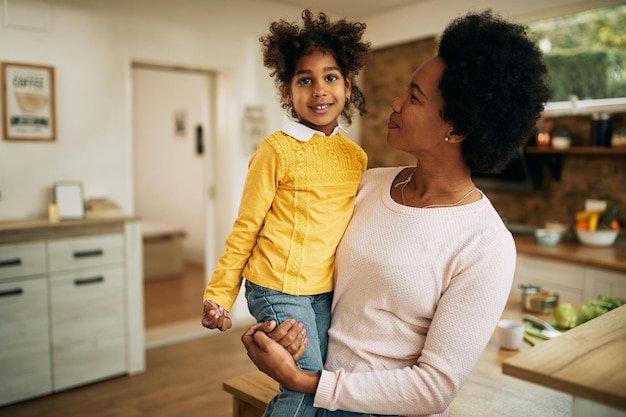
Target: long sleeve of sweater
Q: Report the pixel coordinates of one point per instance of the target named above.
(418, 294)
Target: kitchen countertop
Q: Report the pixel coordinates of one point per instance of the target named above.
(587, 361)
(568, 250)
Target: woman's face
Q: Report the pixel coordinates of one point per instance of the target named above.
(318, 91)
(416, 126)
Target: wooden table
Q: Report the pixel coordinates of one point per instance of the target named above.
(487, 392)
(588, 362)
(251, 393)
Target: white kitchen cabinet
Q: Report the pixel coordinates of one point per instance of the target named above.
(565, 278)
(87, 309)
(577, 283)
(604, 282)
(25, 369)
(71, 304)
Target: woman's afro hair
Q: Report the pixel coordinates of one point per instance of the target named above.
(287, 42)
(494, 87)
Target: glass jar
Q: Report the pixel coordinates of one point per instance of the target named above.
(619, 137)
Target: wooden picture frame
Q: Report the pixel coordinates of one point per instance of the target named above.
(28, 102)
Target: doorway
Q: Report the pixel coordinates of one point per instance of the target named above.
(172, 178)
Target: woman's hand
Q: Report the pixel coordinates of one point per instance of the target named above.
(290, 335)
(272, 358)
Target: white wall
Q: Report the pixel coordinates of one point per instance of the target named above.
(91, 44)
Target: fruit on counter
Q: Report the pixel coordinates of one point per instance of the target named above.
(566, 315)
(594, 308)
(593, 220)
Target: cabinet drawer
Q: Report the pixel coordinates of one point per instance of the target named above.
(22, 259)
(566, 279)
(68, 254)
(603, 282)
(560, 274)
(88, 322)
(25, 341)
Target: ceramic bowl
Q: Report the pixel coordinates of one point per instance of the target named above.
(597, 238)
(547, 237)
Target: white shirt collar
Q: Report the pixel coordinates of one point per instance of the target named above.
(304, 133)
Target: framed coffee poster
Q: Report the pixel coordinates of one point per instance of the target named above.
(28, 112)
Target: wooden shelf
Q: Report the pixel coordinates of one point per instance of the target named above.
(579, 150)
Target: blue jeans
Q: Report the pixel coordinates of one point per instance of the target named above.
(340, 413)
(314, 312)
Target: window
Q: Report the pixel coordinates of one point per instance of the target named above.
(586, 57)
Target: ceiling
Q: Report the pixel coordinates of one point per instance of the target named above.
(349, 8)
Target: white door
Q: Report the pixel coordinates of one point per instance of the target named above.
(172, 153)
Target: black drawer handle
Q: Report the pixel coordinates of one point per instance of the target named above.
(11, 293)
(88, 281)
(88, 253)
(11, 262)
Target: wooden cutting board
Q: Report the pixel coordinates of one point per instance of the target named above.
(588, 361)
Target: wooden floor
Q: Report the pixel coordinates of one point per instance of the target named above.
(173, 299)
(184, 379)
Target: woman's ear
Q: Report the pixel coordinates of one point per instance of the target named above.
(454, 137)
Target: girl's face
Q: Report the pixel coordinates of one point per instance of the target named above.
(318, 91)
(416, 126)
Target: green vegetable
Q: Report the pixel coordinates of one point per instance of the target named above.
(610, 214)
(595, 308)
(566, 315)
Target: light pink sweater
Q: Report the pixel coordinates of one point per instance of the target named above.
(418, 294)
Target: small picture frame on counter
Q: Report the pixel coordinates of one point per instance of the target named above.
(68, 197)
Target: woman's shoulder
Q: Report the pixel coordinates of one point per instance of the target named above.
(374, 178)
(379, 173)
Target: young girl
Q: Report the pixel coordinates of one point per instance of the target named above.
(299, 192)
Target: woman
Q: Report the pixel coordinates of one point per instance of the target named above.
(425, 267)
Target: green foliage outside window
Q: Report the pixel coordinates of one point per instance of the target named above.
(585, 53)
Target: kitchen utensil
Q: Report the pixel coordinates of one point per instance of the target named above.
(527, 290)
(546, 329)
(541, 302)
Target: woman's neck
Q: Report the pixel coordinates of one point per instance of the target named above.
(419, 187)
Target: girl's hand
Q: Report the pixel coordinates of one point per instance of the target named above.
(215, 317)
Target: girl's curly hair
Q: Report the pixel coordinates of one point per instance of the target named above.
(494, 87)
(287, 42)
